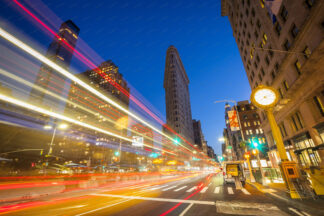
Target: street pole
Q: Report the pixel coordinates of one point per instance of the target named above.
(281, 150)
(252, 179)
(52, 141)
(261, 170)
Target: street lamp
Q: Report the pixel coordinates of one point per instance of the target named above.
(247, 157)
(266, 97)
(61, 126)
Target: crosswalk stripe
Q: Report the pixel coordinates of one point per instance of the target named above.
(154, 188)
(245, 191)
(191, 189)
(217, 190)
(165, 189)
(230, 190)
(180, 188)
(204, 190)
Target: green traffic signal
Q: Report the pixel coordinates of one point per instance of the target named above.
(116, 153)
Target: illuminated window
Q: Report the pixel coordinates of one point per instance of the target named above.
(249, 124)
(282, 129)
(285, 84)
(262, 3)
(257, 131)
(252, 51)
(319, 104)
(265, 38)
(296, 121)
(261, 131)
(307, 52)
(280, 92)
(298, 67)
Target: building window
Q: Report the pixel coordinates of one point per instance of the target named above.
(280, 93)
(270, 51)
(294, 31)
(310, 3)
(265, 38)
(278, 28)
(267, 60)
(287, 45)
(255, 65)
(261, 131)
(307, 52)
(260, 77)
(262, 72)
(257, 59)
(282, 129)
(252, 51)
(257, 131)
(248, 123)
(259, 24)
(256, 34)
(284, 13)
(247, 132)
(298, 67)
(319, 104)
(245, 125)
(273, 75)
(296, 121)
(285, 84)
(253, 12)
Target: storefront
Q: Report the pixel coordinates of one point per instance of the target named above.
(306, 150)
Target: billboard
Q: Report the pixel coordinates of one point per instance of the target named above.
(232, 117)
(137, 141)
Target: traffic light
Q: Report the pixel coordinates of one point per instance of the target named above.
(116, 153)
(255, 142)
(247, 155)
(176, 141)
(255, 151)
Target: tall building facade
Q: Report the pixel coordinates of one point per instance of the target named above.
(60, 52)
(87, 108)
(178, 108)
(282, 46)
(199, 139)
(251, 127)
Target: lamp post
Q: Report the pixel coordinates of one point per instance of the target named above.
(266, 98)
(62, 126)
(247, 157)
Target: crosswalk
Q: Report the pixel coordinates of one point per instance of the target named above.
(205, 189)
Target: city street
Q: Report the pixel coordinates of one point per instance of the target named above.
(193, 195)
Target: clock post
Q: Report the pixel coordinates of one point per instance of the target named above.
(266, 97)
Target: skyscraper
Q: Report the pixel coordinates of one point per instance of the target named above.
(199, 138)
(176, 81)
(60, 52)
(281, 45)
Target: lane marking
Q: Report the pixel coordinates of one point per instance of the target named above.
(305, 213)
(157, 199)
(204, 190)
(191, 189)
(169, 188)
(248, 208)
(245, 191)
(94, 210)
(186, 209)
(295, 211)
(180, 188)
(217, 189)
(154, 188)
(230, 190)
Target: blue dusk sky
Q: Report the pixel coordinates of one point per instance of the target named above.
(135, 36)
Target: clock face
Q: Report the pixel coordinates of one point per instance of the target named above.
(265, 97)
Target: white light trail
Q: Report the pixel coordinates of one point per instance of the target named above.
(67, 119)
(70, 76)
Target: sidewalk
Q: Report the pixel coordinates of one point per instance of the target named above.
(279, 191)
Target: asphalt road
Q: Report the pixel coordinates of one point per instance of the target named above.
(187, 195)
